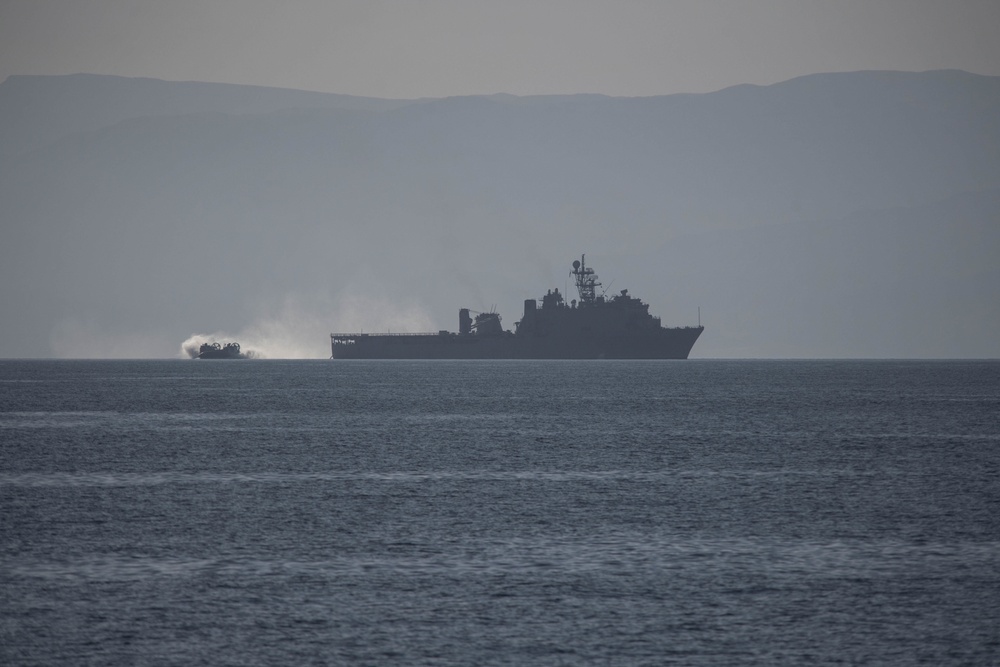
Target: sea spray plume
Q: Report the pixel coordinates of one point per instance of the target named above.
(292, 328)
(299, 328)
(192, 345)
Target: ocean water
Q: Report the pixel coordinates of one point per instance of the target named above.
(499, 513)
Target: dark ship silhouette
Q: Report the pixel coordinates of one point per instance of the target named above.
(595, 327)
(216, 351)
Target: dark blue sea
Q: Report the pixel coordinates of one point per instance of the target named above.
(499, 513)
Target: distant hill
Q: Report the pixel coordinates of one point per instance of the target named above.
(831, 215)
(35, 110)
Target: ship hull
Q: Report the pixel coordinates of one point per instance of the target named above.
(220, 355)
(666, 343)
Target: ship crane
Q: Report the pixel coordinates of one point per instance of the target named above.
(586, 281)
(484, 324)
(484, 318)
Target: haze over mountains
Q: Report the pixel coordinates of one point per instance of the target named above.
(834, 215)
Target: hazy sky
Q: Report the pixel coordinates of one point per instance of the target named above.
(436, 48)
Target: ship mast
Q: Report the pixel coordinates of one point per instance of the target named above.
(586, 281)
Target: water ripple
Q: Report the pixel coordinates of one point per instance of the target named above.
(99, 479)
(605, 554)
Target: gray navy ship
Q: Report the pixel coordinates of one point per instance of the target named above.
(593, 327)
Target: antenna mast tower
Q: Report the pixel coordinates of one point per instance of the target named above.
(586, 281)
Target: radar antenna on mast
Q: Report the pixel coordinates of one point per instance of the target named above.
(586, 281)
